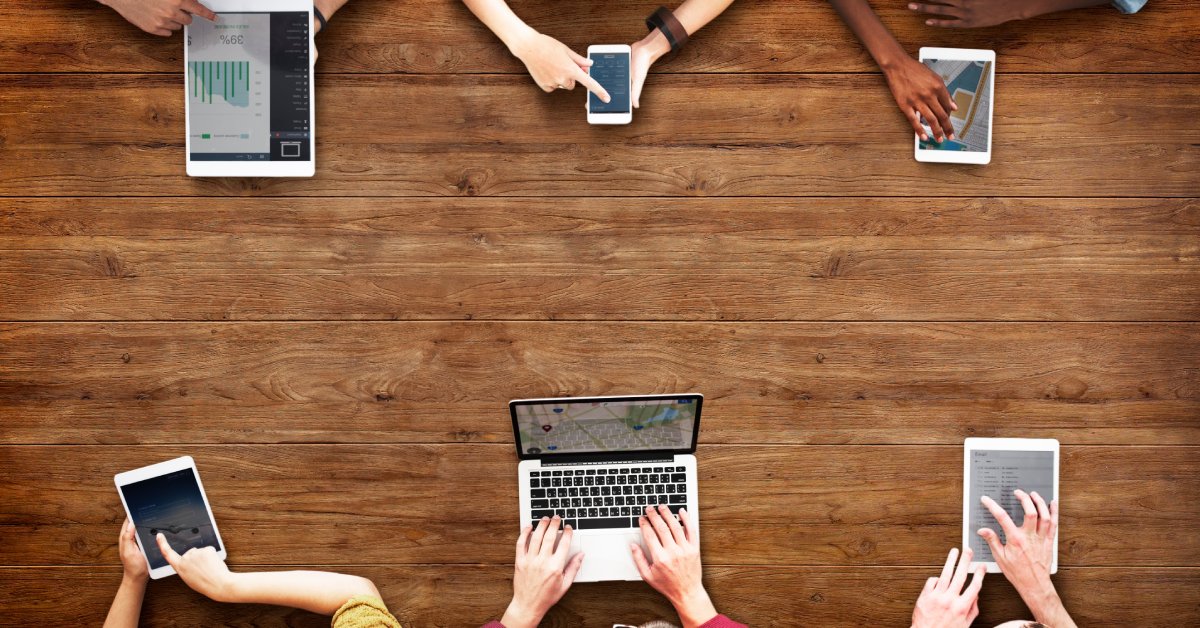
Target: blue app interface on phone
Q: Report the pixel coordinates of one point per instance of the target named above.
(611, 70)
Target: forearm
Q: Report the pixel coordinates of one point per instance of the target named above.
(861, 19)
(694, 14)
(1047, 607)
(127, 605)
(500, 19)
(316, 591)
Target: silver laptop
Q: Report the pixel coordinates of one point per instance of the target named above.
(597, 462)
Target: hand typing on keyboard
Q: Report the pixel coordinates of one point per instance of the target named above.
(671, 563)
(542, 573)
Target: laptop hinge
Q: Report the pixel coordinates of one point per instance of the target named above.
(607, 458)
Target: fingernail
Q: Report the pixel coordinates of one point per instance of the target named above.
(929, 22)
(567, 527)
(913, 7)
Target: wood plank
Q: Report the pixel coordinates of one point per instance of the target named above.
(702, 259)
(810, 505)
(1124, 136)
(468, 595)
(740, 419)
(423, 36)
(449, 382)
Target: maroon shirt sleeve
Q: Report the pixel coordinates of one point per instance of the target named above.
(721, 621)
(493, 624)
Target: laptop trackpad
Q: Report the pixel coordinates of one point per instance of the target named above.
(606, 557)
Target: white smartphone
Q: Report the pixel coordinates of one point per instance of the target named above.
(610, 68)
(969, 76)
(168, 497)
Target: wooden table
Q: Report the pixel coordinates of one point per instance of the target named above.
(336, 352)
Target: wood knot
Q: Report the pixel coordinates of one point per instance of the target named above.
(820, 358)
(1070, 388)
(383, 396)
(125, 357)
(469, 183)
(816, 598)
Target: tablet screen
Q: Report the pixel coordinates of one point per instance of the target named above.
(247, 87)
(171, 504)
(969, 84)
(997, 473)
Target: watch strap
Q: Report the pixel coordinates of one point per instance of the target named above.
(664, 20)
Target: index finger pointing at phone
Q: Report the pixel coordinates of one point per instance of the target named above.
(593, 87)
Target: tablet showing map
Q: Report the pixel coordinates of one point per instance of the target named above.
(565, 426)
(969, 84)
(968, 75)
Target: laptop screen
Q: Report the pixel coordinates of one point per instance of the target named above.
(545, 427)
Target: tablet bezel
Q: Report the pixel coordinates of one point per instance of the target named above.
(253, 168)
(156, 470)
(1004, 444)
(961, 156)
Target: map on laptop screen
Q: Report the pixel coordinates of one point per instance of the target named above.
(600, 426)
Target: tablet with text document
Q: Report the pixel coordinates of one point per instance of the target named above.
(249, 90)
(996, 467)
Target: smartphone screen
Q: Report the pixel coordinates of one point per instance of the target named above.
(969, 84)
(611, 70)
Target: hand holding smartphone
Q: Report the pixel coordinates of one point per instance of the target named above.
(610, 68)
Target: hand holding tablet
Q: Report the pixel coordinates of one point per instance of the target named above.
(167, 500)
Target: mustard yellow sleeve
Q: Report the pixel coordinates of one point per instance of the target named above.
(364, 611)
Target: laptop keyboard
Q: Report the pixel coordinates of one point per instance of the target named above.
(593, 499)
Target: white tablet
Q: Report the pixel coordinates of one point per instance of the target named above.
(969, 76)
(996, 467)
(168, 497)
(248, 76)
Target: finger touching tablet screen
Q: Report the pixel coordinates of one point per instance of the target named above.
(995, 467)
(168, 498)
(969, 76)
(249, 90)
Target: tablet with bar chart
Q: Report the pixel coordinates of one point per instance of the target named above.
(249, 90)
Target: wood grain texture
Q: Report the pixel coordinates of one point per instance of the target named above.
(785, 135)
(684, 259)
(441, 36)
(338, 359)
(385, 504)
(762, 596)
(449, 382)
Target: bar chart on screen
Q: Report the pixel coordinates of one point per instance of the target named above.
(228, 74)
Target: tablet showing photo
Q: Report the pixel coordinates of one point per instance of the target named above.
(168, 498)
(969, 76)
(249, 90)
(995, 467)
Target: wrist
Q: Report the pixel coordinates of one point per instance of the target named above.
(518, 38)
(231, 588)
(890, 57)
(656, 44)
(518, 616)
(1042, 599)
(131, 580)
(695, 608)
